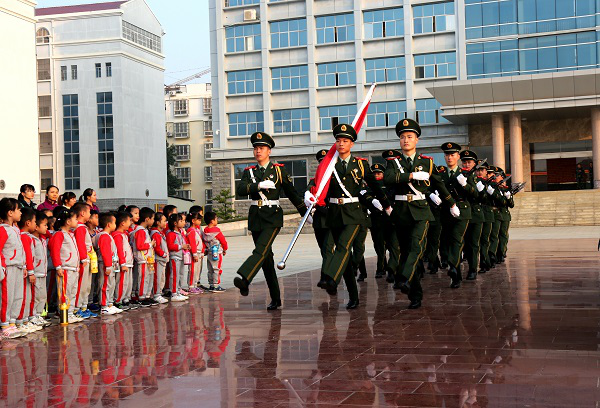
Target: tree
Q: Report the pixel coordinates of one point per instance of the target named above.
(224, 207)
(173, 183)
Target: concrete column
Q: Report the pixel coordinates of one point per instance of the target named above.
(596, 145)
(498, 140)
(516, 148)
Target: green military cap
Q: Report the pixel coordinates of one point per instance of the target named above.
(321, 154)
(450, 147)
(377, 168)
(345, 131)
(499, 170)
(484, 165)
(468, 155)
(262, 139)
(388, 154)
(491, 168)
(408, 125)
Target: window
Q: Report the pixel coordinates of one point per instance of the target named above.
(208, 132)
(181, 130)
(183, 152)
(246, 123)
(438, 65)
(141, 37)
(429, 112)
(44, 106)
(288, 33)
(42, 36)
(386, 114)
(46, 143)
(108, 69)
(180, 107)
(208, 196)
(73, 71)
(232, 3)
(385, 69)
(384, 23)
(207, 147)
(207, 106)
(43, 69)
(207, 173)
(298, 172)
(244, 37)
(286, 78)
(45, 177)
(431, 18)
(98, 70)
(337, 74)
(106, 150)
(184, 174)
(291, 120)
(71, 141)
(185, 194)
(238, 172)
(331, 116)
(243, 82)
(63, 73)
(332, 29)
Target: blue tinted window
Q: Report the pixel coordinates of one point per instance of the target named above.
(231, 3)
(71, 142)
(339, 114)
(243, 38)
(336, 74)
(241, 82)
(428, 111)
(386, 114)
(286, 78)
(291, 120)
(336, 28)
(435, 65)
(246, 123)
(434, 17)
(384, 23)
(106, 154)
(288, 33)
(385, 69)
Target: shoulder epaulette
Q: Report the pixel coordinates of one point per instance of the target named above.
(278, 165)
(361, 158)
(426, 157)
(250, 167)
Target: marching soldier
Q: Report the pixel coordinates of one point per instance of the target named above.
(462, 187)
(435, 231)
(263, 182)
(378, 226)
(410, 176)
(488, 214)
(391, 240)
(345, 215)
(507, 202)
(496, 200)
(473, 235)
(322, 233)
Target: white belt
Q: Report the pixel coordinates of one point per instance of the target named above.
(410, 197)
(341, 201)
(263, 203)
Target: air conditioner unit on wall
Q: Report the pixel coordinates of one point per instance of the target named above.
(250, 15)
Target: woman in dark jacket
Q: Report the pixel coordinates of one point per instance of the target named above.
(26, 196)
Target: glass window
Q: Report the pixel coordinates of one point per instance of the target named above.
(385, 69)
(386, 114)
(242, 82)
(43, 69)
(238, 172)
(336, 28)
(336, 74)
(63, 73)
(232, 3)
(142, 37)
(434, 17)
(243, 38)
(291, 120)
(108, 69)
(435, 65)
(429, 112)
(246, 123)
(181, 130)
(286, 78)
(106, 154)
(98, 70)
(288, 33)
(299, 174)
(42, 36)
(384, 23)
(330, 116)
(71, 141)
(73, 71)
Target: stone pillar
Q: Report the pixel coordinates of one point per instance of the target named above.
(516, 148)
(498, 141)
(596, 145)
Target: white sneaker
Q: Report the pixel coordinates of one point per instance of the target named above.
(115, 310)
(44, 322)
(74, 319)
(24, 328)
(177, 298)
(34, 326)
(185, 297)
(35, 320)
(107, 311)
(162, 300)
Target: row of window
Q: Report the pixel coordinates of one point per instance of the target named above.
(340, 27)
(64, 71)
(187, 194)
(380, 114)
(438, 65)
(183, 151)
(185, 173)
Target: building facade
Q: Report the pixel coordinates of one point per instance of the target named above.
(188, 111)
(18, 107)
(101, 104)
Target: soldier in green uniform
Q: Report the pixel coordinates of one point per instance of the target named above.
(435, 230)
(473, 235)
(507, 202)
(370, 206)
(345, 215)
(391, 240)
(488, 214)
(461, 185)
(496, 201)
(263, 182)
(379, 219)
(410, 176)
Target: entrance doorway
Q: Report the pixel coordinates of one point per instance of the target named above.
(561, 166)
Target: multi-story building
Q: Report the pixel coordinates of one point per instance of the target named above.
(101, 104)
(18, 106)
(189, 128)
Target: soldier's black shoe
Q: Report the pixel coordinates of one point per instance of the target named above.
(472, 275)
(482, 270)
(433, 269)
(361, 277)
(274, 305)
(455, 284)
(444, 265)
(242, 284)
(402, 284)
(414, 304)
(379, 274)
(452, 272)
(352, 304)
(390, 278)
(327, 283)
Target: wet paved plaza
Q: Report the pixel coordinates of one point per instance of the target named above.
(526, 334)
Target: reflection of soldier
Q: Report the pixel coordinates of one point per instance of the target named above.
(580, 177)
(591, 174)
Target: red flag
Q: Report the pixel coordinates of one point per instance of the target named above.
(325, 169)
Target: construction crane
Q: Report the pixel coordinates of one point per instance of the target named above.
(175, 86)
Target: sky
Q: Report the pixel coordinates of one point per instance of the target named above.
(186, 44)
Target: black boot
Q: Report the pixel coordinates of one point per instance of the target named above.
(472, 275)
(352, 304)
(390, 277)
(414, 304)
(444, 264)
(403, 284)
(274, 305)
(379, 274)
(361, 277)
(327, 283)
(242, 284)
(454, 277)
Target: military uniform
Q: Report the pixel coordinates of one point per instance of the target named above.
(473, 235)
(378, 221)
(411, 214)
(391, 239)
(496, 200)
(434, 233)
(265, 218)
(322, 233)
(345, 215)
(488, 215)
(507, 202)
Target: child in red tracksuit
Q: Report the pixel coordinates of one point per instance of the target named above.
(161, 255)
(27, 226)
(84, 246)
(143, 255)
(194, 238)
(123, 276)
(177, 244)
(107, 262)
(215, 247)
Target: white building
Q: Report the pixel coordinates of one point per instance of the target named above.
(18, 106)
(100, 87)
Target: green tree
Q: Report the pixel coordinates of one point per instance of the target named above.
(173, 183)
(224, 205)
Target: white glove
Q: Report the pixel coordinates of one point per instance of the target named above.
(455, 211)
(420, 175)
(377, 204)
(462, 180)
(309, 199)
(480, 186)
(2, 273)
(389, 210)
(309, 220)
(266, 185)
(507, 195)
(435, 198)
(490, 190)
